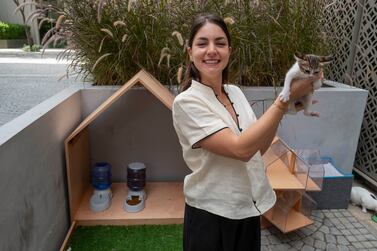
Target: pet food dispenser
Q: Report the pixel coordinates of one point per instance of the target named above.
(135, 200)
(101, 181)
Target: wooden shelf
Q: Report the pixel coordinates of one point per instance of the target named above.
(164, 205)
(289, 222)
(281, 178)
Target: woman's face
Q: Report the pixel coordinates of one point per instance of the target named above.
(210, 51)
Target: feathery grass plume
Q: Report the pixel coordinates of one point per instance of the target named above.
(49, 41)
(164, 53)
(185, 46)
(119, 22)
(23, 5)
(108, 32)
(124, 38)
(131, 5)
(49, 33)
(57, 38)
(100, 9)
(179, 74)
(46, 19)
(59, 22)
(229, 20)
(100, 45)
(168, 60)
(99, 60)
(35, 14)
(179, 37)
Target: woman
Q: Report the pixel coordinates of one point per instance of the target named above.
(222, 143)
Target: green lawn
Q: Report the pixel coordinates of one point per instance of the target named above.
(114, 238)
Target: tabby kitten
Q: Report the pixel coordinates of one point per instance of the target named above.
(307, 65)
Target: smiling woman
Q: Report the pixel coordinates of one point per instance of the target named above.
(222, 140)
(210, 53)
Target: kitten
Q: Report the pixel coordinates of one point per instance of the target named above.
(306, 65)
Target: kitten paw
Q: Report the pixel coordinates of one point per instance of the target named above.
(284, 96)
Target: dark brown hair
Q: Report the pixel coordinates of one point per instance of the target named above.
(199, 22)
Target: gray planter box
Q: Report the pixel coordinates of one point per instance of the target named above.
(12, 43)
(335, 133)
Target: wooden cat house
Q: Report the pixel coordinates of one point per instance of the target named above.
(165, 202)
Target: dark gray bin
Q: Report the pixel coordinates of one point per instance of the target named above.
(336, 190)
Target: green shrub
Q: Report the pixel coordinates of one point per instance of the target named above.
(11, 31)
(114, 39)
(34, 48)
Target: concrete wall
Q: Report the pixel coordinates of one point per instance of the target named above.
(335, 133)
(33, 190)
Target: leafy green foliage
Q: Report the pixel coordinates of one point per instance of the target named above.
(114, 39)
(34, 48)
(11, 31)
(151, 237)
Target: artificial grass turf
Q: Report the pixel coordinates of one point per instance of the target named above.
(117, 238)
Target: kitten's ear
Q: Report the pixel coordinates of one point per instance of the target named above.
(325, 59)
(299, 56)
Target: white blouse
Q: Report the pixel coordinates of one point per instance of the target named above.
(221, 185)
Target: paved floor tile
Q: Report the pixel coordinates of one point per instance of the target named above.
(319, 236)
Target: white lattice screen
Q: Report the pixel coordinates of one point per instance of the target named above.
(339, 23)
(352, 25)
(365, 76)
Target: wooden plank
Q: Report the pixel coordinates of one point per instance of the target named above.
(292, 162)
(281, 178)
(142, 77)
(78, 169)
(164, 205)
(71, 230)
(156, 88)
(287, 222)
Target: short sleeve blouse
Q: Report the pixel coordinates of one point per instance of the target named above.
(224, 186)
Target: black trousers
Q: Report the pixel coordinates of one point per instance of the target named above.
(204, 231)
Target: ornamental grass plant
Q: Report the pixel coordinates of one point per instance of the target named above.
(113, 39)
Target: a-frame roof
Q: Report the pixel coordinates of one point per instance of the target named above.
(142, 77)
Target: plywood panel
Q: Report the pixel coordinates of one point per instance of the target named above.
(78, 169)
(164, 205)
(281, 178)
(143, 78)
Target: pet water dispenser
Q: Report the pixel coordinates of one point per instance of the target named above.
(135, 200)
(101, 182)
